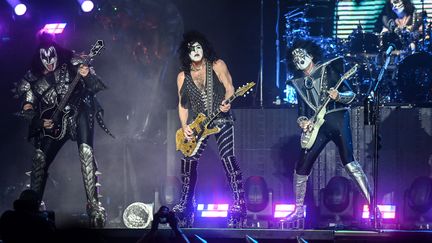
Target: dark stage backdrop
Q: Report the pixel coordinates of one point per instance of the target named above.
(139, 65)
(267, 145)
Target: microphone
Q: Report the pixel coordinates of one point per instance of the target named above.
(390, 48)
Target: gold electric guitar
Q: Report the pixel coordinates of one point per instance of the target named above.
(308, 137)
(200, 126)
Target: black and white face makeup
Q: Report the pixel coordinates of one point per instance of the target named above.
(49, 58)
(196, 52)
(397, 6)
(301, 59)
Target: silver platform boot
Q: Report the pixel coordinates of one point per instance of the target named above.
(357, 174)
(95, 211)
(296, 219)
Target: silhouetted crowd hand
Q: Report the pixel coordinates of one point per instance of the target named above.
(164, 216)
(26, 223)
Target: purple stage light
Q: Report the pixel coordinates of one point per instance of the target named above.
(87, 6)
(20, 9)
(213, 210)
(283, 210)
(55, 28)
(387, 211)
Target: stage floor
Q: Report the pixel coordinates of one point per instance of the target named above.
(270, 235)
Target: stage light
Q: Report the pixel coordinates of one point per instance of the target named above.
(55, 28)
(387, 211)
(138, 215)
(256, 193)
(20, 9)
(337, 204)
(87, 6)
(283, 210)
(336, 194)
(417, 209)
(213, 210)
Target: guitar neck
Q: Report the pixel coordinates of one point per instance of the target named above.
(65, 99)
(338, 84)
(217, 112)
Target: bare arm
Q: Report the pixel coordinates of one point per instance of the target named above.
(224, 76)
(183, 112)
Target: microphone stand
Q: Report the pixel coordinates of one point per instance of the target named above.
(423, 24)
(371, 117)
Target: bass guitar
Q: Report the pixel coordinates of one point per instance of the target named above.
(60, 111)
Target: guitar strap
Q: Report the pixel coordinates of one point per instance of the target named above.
(208, 96)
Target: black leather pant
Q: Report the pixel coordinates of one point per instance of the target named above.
(336, 128)
(47, 149)
(189, 165)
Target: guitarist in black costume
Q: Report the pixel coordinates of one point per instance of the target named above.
(314, 81)
(44, 85)
(203, 84)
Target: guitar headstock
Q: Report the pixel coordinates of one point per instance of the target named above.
(350, 72)
(96, 48)
(244, 88)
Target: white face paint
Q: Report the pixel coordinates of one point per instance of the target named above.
(196, 52)
(49, 58)
(301, 59)
(397, 6)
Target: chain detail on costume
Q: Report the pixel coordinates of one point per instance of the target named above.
(225, 141)
(199, 100)
(185, 210)
(95, 210)
(209, 89)
(237, 213)
(39, 174)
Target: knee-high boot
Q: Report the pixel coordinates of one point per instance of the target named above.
(95, 211)
(296, 219)
(39, 173)
(185, 209)
(355, 171)
(237, 212)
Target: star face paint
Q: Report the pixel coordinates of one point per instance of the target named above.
(397, 6)
(301, 59)
(196, 52)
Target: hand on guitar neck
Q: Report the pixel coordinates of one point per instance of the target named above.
(333, 94)
(225, 106)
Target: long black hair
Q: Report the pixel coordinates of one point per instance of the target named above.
(189, 38)
(45, 41)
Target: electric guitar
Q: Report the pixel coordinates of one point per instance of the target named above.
(308, 137)
(200, 126)
(60, 111)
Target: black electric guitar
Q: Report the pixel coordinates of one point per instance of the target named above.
(60, 111)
